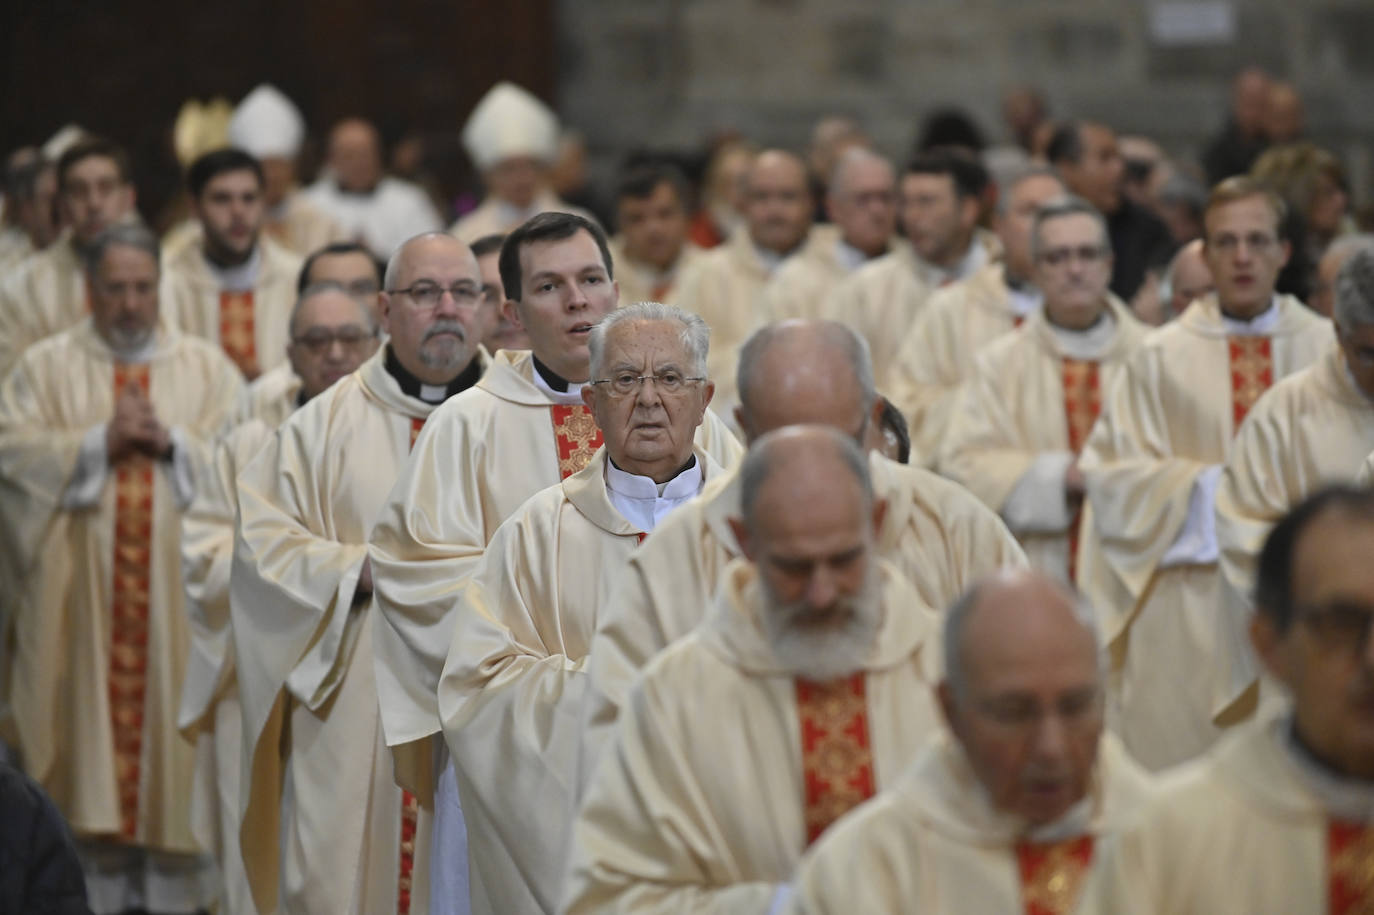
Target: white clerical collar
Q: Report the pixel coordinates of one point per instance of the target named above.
(573, 395)
(769, 259)
(973, 260)
(848, 256)
(1024, 300)
(1089, 344)
(1261, 324)
(643, 502)
(239, 278)
(1342, 797)
(136, 355)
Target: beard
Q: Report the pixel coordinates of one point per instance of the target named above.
(447, 353)
(129, 338)
(825, 651)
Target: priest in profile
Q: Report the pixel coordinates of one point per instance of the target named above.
(1002, 813)
(319, 798)
(807, 688)
(101, 432)
(512, 688)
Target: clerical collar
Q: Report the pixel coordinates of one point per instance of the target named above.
(683, 484)
(301, 398)
(1024, 299)
(1342, 796)
(240, 277)
(849, 257)
(1090, 343)
(431, 393)
(556, 383)
(553, 386)
(770, 259)
(1260, 324)
(135, 355)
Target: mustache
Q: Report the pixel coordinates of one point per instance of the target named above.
(446, 327)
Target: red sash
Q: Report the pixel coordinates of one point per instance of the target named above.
(576, 436)
(1082, 403)
(836, 757)
(236, 334)
(128, 676)
(1350, 856)
(1252, 372)
(1051, 874)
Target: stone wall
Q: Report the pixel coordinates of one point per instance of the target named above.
(664, 73)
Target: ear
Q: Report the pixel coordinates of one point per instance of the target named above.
(969, 209)
(589, 397)
(710, 393)
(615, 284)
(1287, 248)
(879, 513)
(1269, 645)
(384, 311)
(511, 312)
(742, 537)
(742, 420)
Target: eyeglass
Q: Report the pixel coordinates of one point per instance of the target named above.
(1085, 254)
(623, 384)
(428, 294)
(1257, 242)
(362, 288)
(1339, 626)
(317, 340)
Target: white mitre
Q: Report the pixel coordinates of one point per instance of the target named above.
(510, 122)
(267, 124)
(65, 138)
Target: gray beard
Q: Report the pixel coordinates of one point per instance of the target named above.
(827, 654)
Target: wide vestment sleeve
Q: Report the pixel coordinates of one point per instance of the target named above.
(646, 839)
(1138, 487)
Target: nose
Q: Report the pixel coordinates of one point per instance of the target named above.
(577, 296)
(447, 306)
(821, 588)
(647, 394)
(1050, 737)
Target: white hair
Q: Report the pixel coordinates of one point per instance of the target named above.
(1354, 304)
(696, 335)
(1067, 205)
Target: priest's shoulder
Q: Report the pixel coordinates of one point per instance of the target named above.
(878, 838)
(1186, 794)
(323, 411)
(280, 262)
(535, 518)
(907, 481)
(657, 687)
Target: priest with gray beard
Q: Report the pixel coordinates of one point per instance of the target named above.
(807, 688)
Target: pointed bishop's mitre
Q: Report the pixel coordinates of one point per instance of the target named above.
(267, 124)
(509, 122)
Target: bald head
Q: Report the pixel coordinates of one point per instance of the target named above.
(1284, 118)
(777, 201)
(1189, 277)
(434, 308)
(862, 200)
(1249, 99)
(789, 467)
(355, 155)
(805, 371)
(1023, 692)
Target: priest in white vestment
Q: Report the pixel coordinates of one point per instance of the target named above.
(374, 208)
(1312, 429)
(651, 249)
(861, 201)
(236, 286)
(938, 202)
(1004, 814)
(725, 286)
(934, 532)
(807, 688)
(1279, 816)
(30, 221)
(46, 293)
(523, 428)
(1148, 561)
(511, 138)
(512, 687)
(1025, 414)
(317, 772)
(935, 352)
(101, 431)
(334, 334)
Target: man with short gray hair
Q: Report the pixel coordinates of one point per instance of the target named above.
(102, 432)
(512, 687)
(1035, 393)
(1312, 429)
(807, 685)
(1001, 814)
(937, 350)
(1323, 297)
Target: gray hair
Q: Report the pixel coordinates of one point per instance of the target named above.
(840, 336)
(1068, 205)
(322, 287)
(121, 235)
(848, 160)
(764, 454)
(695, 335)
(1354, 305)
(1014, 180)
(957, 616)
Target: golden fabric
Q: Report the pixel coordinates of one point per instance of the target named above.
(97, 627)
(303, 644)
(513, 683)
(1170, 416)
(933, 843)
(481, 455)
(40, 296)
(836, 756)
(934, 531)
(699, 804)
(193, 301)
(1017, 405)
(935, 352)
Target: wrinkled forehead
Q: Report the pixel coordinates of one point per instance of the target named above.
(1031, 642)
(330, 308)
(127, 262)
(1071, 230)
(439, 260)
(646, 343)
